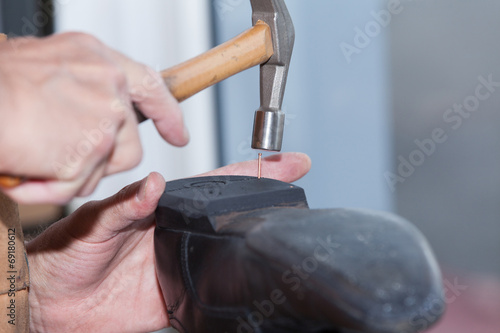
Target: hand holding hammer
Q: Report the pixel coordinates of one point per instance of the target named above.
(269, 42)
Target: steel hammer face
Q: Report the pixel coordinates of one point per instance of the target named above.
(269, 119)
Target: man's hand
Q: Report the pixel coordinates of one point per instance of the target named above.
(94, 270)
(66, 114)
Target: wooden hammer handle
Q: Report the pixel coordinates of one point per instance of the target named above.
(10, 181)
(250, 48)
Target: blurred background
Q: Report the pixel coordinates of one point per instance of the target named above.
(396, 102)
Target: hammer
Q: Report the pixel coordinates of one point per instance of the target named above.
(269, 43)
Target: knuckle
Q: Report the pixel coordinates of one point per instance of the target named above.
(127, 161)
(104, 146)
(72, 172)
(132, 158)
(84, 39)
(118, 114)
(122, 195)
(112, 74)
(135, 157)
(115, 78)
(153, 80)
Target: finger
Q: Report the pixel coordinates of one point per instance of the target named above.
(52, 191)
(160, 106)
(148, 91)
(92, 181)
(59, 191)
(287, 167)
(35, 192)
(133, 203)
(127, 152)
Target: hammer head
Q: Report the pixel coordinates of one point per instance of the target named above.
(269, 120)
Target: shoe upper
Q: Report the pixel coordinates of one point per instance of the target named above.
(235, 254)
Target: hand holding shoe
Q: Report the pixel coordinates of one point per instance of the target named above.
(94, 271)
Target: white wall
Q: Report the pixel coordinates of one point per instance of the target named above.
(159, 33)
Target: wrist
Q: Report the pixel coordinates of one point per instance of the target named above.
(50, 309)
(46, 314)
(37, 323)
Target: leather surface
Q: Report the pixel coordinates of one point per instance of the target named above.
(289, 269)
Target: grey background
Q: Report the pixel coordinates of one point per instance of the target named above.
(337, 113)
(356, 119)
(439, 48)
(1, 18)
(17, 17)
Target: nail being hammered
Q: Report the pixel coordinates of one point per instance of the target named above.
(259, 168)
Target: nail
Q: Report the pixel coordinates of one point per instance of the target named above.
(141, 194)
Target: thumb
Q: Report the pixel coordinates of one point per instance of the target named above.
(133, 203)
(97, 222)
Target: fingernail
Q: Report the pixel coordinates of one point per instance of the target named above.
(142, 190)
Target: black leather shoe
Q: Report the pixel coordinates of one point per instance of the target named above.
(247, 255)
